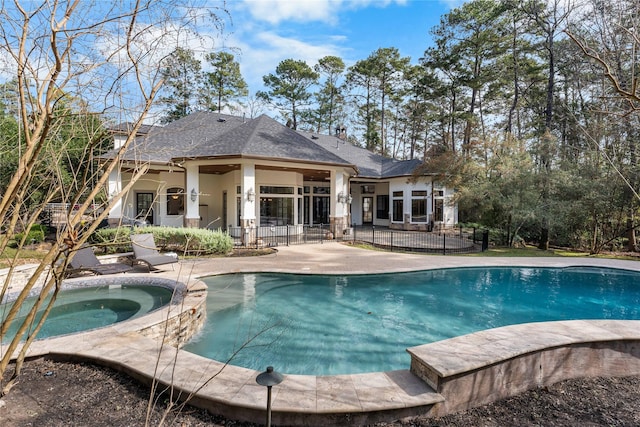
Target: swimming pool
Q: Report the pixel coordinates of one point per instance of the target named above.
(94, 304)
(327, 325)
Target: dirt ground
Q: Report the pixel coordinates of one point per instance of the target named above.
(75, 394)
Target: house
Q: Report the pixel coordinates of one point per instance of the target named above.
(211, 170)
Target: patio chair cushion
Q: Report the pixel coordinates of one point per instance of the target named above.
(85, 260)
(145, 251)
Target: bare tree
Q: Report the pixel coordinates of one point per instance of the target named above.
(106, 54)
(609, 38)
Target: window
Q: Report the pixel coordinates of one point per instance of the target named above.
(276, 211)
(398, 206)
(144, 207)
(322, 190)
(398, 209)
(238, 211)
(419, 210)
(382, 207)
(268, 189)
(438, 209)
(438, 205)
(368, 189)
(418, 206)
(175, 201)
(306, 208)
(321, 209)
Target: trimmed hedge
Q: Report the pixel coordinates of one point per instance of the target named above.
(189, 241)
(112, 240)
(36, 235)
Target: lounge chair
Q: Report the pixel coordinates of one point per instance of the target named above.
(84, 260)
(146, 252)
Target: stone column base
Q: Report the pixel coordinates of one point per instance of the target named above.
(338, 225)
(249, 232)
(192, 222)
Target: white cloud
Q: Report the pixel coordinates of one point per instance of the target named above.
(261, 54)
(276, 11)
(452, 4)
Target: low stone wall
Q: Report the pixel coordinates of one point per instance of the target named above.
(480, 368)
(176, 330)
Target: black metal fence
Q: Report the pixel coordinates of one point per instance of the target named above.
(443, 241)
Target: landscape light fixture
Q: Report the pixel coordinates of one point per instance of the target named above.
(269, 378)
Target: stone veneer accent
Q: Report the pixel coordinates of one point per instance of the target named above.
(177, 330)
(192, 222)
(482, 367)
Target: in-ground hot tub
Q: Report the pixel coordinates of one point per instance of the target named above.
(89, 303)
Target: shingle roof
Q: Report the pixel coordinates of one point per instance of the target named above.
(125, 128)
(370, 165)
(208, 134)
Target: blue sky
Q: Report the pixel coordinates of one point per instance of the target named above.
(268, 31)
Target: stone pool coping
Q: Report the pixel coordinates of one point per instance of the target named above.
(443, 377)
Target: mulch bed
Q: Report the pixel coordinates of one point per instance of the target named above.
(78, 394)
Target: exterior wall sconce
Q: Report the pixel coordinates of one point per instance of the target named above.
(343, 198)
(251, 195)
(194, 195)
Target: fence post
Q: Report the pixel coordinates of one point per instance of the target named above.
(287, 234)
(444, 243)
(354, 232)
(485, 240)
(321, 234)
(373, 235)
(391, 240)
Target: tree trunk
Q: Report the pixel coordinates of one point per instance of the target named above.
(632, 244)
(544, 237)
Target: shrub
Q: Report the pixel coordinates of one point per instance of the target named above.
(35, 235)
(112, 240)
(183, 240)
(190, 240)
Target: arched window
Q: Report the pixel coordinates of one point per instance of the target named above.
(175, 201)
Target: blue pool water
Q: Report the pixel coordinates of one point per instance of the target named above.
(93, 307)
(327, 325)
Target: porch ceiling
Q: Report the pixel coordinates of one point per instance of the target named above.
(309, 174)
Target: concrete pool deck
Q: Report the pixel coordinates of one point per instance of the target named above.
(444, 376)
